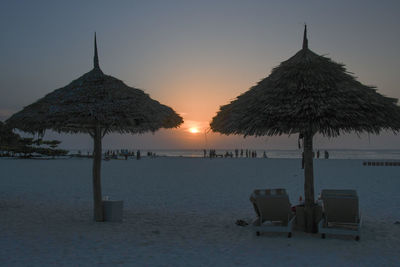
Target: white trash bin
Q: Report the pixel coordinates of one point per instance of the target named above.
(113, 210)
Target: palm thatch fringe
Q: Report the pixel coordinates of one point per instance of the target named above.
(93, 99)
(312, 92)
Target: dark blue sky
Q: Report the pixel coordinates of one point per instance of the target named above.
(192, 55)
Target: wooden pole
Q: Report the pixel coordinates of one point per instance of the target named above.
(309, 182)
(98, 204)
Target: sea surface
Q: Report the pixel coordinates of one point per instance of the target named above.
(333, 153)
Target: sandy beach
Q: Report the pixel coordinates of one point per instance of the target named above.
(182, 212)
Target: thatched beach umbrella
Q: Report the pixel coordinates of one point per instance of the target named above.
(96, 104)
(308, 94)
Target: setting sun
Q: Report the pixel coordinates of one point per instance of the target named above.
(193, 130)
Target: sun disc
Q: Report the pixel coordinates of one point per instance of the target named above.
(193, 130)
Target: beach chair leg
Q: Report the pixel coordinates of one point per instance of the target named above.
(289, 235)
(323, 236)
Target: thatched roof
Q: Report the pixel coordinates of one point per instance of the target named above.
(308, 92)
(95, 99)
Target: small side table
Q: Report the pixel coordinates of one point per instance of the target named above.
(113, 210)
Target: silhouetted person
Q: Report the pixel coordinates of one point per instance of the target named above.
(138, 155)
(326, 154)
(317, 154)
(213, 153)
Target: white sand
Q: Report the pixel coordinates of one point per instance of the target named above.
(182, 212)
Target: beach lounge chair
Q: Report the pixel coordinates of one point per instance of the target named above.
(273, 211)
(341, 214)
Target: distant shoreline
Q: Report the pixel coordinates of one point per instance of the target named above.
(363, 154)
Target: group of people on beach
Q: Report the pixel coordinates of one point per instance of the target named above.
(315, 155)
(212, 153)
(326, 154)
(114, 154)
(125, 153)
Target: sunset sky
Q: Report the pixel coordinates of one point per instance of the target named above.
(193, 56)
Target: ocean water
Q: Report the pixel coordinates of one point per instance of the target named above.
(333, 154)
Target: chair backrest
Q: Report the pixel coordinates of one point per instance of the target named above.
(272, 204)
(340, 206)
(339, 192)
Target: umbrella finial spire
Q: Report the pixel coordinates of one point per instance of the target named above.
(96, 57)
(305, 40)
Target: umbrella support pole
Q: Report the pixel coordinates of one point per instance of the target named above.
(98, 205)
(309, 183)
